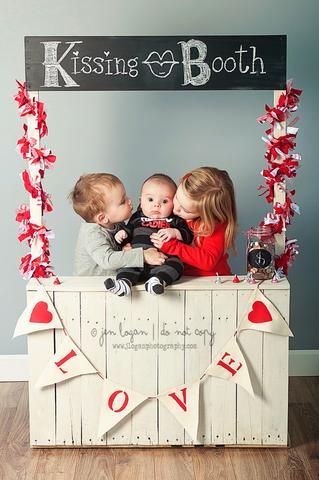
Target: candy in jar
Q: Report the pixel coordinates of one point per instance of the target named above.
(261, 252)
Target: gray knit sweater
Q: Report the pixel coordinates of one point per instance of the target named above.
(97, 253)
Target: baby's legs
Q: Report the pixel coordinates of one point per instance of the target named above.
(125, 278)
(133, 275)
(162, 275)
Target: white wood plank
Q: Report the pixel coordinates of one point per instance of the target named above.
(170, 362)
(93, 344)
(249, 409)
(275, 378)
(119, 359)
(41, 401)
(144, 367)
(68, 393)
(198, 323)
(223, 392)
(95, 284)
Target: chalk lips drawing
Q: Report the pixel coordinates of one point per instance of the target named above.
(161, 65)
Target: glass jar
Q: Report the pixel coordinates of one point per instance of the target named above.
(260, 252)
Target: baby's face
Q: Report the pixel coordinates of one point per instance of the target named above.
(157, 199)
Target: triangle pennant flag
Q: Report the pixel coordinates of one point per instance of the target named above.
(230, 365)
(67, 363)
(183, 403)
(262, 315)
(116, 402)
(39, 314)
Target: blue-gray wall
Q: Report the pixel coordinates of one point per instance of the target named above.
(132, 134)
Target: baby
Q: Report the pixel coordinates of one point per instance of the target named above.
(154, 214)
(100, 199)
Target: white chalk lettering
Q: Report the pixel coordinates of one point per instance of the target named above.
(75, 59)
(204, 70)
(108, 61)
(255, 59)
(86, 62)
(221, 64)
(241, 51)
(118, 62)
(231, 69)
(132, 64)
(97, 61)
(53, 66)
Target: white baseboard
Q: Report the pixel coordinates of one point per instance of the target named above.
(302, 363)
(14, 368)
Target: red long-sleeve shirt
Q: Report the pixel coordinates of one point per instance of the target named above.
(205, 257)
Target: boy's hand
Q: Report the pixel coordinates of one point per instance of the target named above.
(126, 247)
(166, 234)
(120, 236)
(153, 257)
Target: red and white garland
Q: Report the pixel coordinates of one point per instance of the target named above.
(37, 262)
(282, 165)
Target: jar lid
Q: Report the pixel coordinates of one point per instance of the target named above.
(260, 231)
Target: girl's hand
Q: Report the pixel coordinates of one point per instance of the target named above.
(120, 236)
(156, 241)
(153, 257)
(167, 234)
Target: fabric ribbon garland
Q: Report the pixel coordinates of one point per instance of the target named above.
(282, 165)
(37, 263)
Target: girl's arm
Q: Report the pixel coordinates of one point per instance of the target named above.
(204, 257)
(186, 233)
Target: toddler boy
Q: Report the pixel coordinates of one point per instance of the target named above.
(101, 200)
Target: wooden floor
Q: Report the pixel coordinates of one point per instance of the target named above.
(300, 461)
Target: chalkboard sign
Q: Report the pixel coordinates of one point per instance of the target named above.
(156, 63)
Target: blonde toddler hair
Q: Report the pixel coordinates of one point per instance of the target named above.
(213, 191)
(88, 197)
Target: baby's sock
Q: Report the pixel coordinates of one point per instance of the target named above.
(155, 286)
(120, 287)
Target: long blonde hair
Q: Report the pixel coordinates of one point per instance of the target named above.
(213, 191)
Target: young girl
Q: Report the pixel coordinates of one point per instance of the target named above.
(205, 199)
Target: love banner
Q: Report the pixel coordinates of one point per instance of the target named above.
(40, 314)
(117, 401)
(67, 363)
(229, 364)
(262, 315)
(183, 403)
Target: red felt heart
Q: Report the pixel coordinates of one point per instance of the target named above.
(259, 313)
(40, 313)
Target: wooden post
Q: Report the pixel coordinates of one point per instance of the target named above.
(280, 188)
(33, 132)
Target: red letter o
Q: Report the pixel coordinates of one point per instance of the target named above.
(112, 398)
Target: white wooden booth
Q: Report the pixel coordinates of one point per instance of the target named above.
(201, 316)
